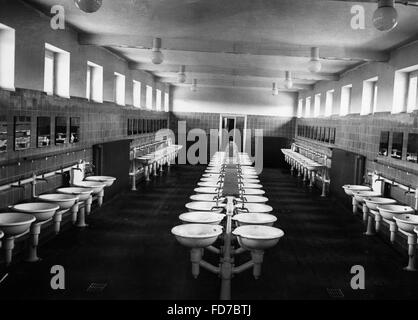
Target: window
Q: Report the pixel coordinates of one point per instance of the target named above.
(329, 102)
(384, 143)
(300, 108)
(166, 102)
(345, 100)
(7, 57)
(412, 150)
(137, 94)
(56, 71)
(148, 101)
(94, 83)
(317, 105)
(119, 89)
(411, 103)
(308, 107)
(158, 101)
(397, 145)
(369, 97)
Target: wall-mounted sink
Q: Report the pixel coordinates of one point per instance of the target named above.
(105, 179)
(361, 195)
(252, 199)
(15, 223)
(203, 217)
(373, 202)
(205, 206)
(350, 188)
(406, 222)
(255, 237)
(206, 197)
(388, 211)
(40, 210)
(254, 219)
(254, 207)
(96, 186)
(82, 193)
(196, 235)
(65, 201)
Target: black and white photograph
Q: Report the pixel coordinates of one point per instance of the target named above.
(207, 156)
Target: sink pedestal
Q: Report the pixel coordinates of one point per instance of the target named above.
(312, 179)
(154, 169)
(412, 247)
(355, 208)
(257, 258)
(146, 170)
(8, 244)
(100, 196)
(81, 218)
(392, 228)
(370, 223)
(57, 220)
(35, 231)
(377, 219)
(88, 203)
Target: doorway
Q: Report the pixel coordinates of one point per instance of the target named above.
(235, 126)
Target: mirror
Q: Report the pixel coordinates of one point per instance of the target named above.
(3, 134)
(22, 128)
(397, 145)
(43, 130)
(326, 138)
(60, 130)
(412, 150)
(384, 143)
(74, 130)
(135, 126)
(140, 126)
(129, 128)
(332, 135)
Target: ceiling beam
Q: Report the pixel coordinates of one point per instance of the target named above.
(220, 46)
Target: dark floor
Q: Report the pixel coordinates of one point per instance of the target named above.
(129, 247)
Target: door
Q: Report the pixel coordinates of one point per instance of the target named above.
(234, 126)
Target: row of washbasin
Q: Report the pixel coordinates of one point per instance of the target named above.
(300, 161)
(253, 218)
(158, 155)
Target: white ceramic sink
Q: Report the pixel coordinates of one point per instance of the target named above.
(206, 197)
(82, 193)
(96, 186)
(253, 192)
(40, 210)
(350, 188)
(209, 184)
(15, 223)
(210, 190)
(256, 237)
(388, 211)
(254, 219)
(406, 222)
(65, 201)
(361, 195)
(105, 179)
(373, 202)
(252, 186)
(196, 235)
(205, 206)
(254, 207)
(203, 217)
(253, 199)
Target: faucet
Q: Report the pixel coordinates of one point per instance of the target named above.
(379, 178)
(409, 190)
(19, 185)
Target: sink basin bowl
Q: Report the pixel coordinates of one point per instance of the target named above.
(203, 217)
(40, 210)
(105, 179)
(264, 219)
(253, 192)
(252, 186)
(250, 180)
(406, 222)
(253, 199)
(15, 223)
(96, 186)
(205, 206)
(350, 188)
(196, 235)
(213, 184)
(211, 175)
(373, 202)
(210, 179)
(82, 193)
(206, 197)
(361, 195)
(388, 211)
(65, 201)
(206, 190)
(254, 237)
(254, 207)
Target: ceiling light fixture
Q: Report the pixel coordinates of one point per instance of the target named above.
(288, 83)
(157, 56)
(314, 64)
(88, 6)
(385, 18)
(182, 74)
(275, 91)
(194, 85)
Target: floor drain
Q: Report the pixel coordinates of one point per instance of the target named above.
(335, 293)
(96, 287)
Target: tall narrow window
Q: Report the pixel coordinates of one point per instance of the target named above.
(299, 113)
(137, 94)
(329, 102)
(7, 57)
(369, 97)
(56, 71)
(94, 83)
(148, 101)
(119, 89)
(308, 107)
(345, 100)
(412, 91)
(166, 102)
(317, 105)
(159, 100)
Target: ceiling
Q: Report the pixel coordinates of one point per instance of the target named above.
(239, 43)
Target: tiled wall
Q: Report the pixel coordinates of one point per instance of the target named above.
(99, 123)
